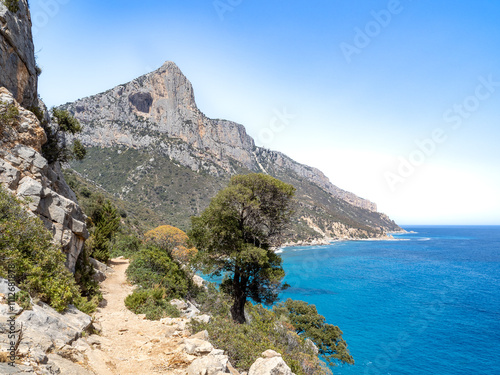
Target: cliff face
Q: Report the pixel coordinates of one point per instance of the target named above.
(23, 169)
(25, 172)
(161, 104)
(17, 55)
(156, 114)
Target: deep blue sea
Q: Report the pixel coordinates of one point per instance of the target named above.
(426, 303)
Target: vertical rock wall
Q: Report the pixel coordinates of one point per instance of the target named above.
(25, 172)
(17, 54)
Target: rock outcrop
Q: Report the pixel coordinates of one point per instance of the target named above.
(18, 71)
(25, 172)
(270, 363)
(43, 331)
(156, 114)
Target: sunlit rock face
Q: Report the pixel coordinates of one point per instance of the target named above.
(17, 55)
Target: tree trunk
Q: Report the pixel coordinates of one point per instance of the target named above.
(238, 309)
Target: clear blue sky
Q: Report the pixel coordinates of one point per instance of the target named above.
(360, 83)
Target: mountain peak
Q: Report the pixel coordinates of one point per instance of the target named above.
(157, 113)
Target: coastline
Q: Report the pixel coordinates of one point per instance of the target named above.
(386, 236)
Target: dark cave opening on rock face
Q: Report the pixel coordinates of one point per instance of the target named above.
(142, 101)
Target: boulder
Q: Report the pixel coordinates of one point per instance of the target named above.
(45, 328)
(271, 364)
(100, 269)
(202, 335)
(180, 304)
(5, 369)
(203, 318)
(197, 347)
(209, 365)
(270, 354)
(9, 176)
(5, 288)
(68, 367)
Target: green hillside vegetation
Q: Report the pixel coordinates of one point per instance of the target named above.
(157, 189)
(36, 264)
(274, 329)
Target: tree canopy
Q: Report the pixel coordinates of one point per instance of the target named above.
(104, 222)
(56, 148)
(236, 236)
(327, 337)
(172, 240)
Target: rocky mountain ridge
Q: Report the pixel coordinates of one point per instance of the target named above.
(156, 114)
(162, 103)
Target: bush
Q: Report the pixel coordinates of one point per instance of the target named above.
(12, 5)
(9, 115)
(265, 329)
(38, 264)
(160, 279)
(152, 302)
(310, 324)
(152, 267)
(56, 147)
(104, 223)
(173, 241)
(84, 276)
(125, 244)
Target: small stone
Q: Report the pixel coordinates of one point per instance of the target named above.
(270, 354)
(197, 347)
(181, 305)
(202, 335)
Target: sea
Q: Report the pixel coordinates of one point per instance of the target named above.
(427, 302)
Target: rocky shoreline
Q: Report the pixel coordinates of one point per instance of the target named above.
(388, 236)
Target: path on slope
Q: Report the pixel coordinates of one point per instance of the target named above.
(131, 344)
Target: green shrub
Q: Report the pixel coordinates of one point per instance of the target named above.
(265, 329)
(84, 276)
(67, 123)
(23, 299)
(125, 244)
(308, 323)
(9, 115)
(160, 279)
(38, 264)
(105, 221)
(152, 302)
(152, 267)
(56, 147)
(12, 5)
(79, 151)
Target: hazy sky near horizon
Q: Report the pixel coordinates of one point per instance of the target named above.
(396, 101)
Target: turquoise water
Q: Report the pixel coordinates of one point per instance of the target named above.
(427, 303)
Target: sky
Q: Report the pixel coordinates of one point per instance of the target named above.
(395, 100)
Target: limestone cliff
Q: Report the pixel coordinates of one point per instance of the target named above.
(18, 71)
(161, 104)
(24, 171)
(156, 115)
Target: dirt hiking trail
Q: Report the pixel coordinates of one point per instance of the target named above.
(130, 344)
